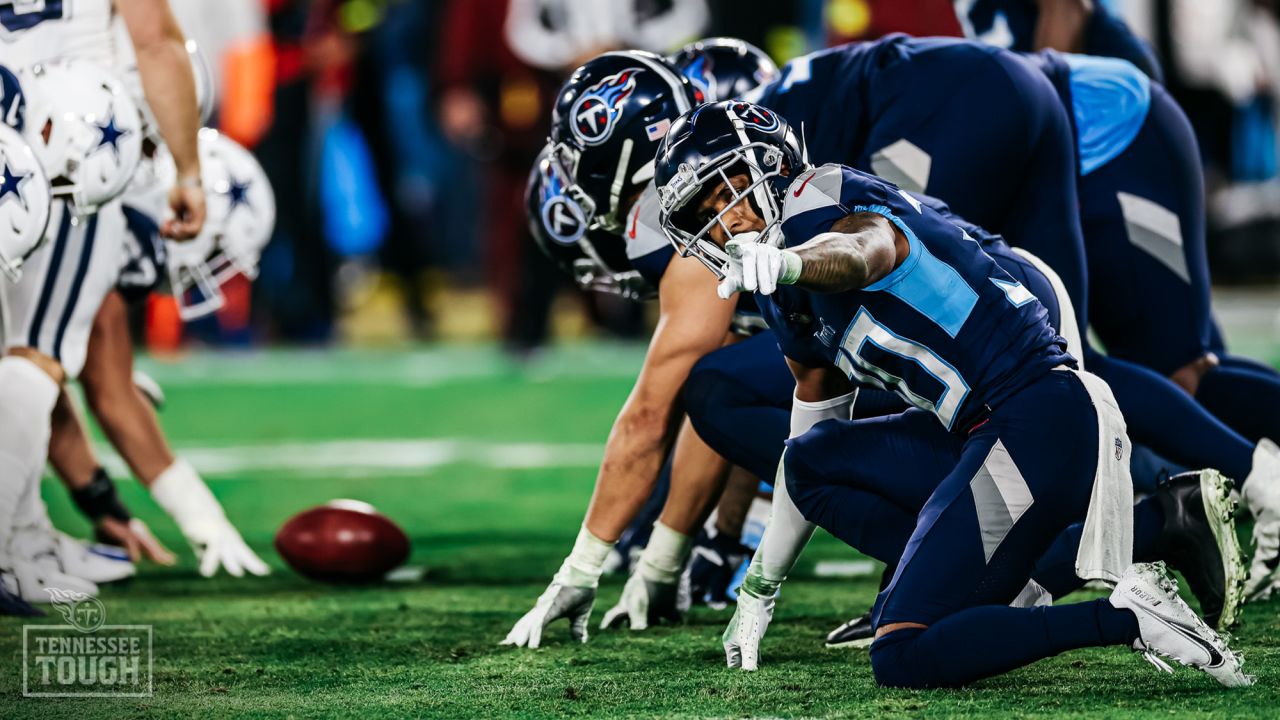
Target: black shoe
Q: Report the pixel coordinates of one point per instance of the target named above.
(712, 566)
(856, 633)
(1199, 541)
(11, 604)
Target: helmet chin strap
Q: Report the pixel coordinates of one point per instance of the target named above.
(619, 182)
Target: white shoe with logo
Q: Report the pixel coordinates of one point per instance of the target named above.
(1168, 628)
(1261, 494)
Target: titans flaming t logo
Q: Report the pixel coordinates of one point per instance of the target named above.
(596, 112)
(760, 118)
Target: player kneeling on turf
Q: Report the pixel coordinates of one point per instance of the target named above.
(1006, 444)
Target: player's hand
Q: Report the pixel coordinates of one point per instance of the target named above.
(742, 638)
(644, 603)
(136, 539)
(186, 201)
(219, 545)
(557, 601)
(757, 266)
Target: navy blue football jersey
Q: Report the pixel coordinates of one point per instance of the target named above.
(838, 97)
(948, 330)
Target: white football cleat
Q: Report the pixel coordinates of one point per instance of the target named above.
(1261, 494)
(55, 552)
(1168, 628)
(96, 563)
(32, 581)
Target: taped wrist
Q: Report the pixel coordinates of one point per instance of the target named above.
(586, 562)
(98, 499)
(791, 266)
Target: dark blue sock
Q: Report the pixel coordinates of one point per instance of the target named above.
(1056, 569)
(943, 655)
(1246, 396)
(1163, 417)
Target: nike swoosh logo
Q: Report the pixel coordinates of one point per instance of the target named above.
(804, 184)
(1215, 657)
(635, 218)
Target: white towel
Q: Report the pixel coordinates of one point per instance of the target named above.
(1106, 548)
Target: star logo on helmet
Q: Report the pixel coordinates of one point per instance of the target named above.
(11, 184)
(594, 114)
(111, 135)
(237, 194)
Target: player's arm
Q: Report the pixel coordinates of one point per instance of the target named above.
(692, 322)
(1061, 23)
(858, 250)
(822, 393)
(170, 89)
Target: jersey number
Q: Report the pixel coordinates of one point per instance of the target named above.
(26, 14)
(874, 355)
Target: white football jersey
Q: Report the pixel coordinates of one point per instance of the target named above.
(36, 31)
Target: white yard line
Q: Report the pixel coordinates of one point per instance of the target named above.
(371, 458)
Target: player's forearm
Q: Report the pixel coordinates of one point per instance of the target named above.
(1061, 24)
(171, 94)
(858, 251)
(633, 458)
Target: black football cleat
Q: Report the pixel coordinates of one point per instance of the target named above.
(857, 633)
(1199, 540)
(712, 566)
(13, 605)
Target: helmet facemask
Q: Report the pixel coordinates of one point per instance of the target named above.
(683, 194)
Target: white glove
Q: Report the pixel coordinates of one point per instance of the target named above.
(558, 601)
(646, 602)
(199, 515)
(757, 266)
(742, 638)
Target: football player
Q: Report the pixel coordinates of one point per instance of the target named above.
(89, 143)
(1007, 443)
(1086, 134)
(241, 216)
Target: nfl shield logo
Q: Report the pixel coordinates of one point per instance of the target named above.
(1119, 448)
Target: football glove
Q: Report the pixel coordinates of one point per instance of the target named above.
(199, 515)
(558, 601)
(757, 266)
(646, 602)
(742, 638)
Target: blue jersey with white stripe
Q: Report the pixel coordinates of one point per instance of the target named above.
(948, 330)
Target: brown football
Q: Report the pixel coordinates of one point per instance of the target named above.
(343, 541)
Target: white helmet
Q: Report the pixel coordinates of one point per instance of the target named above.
(206, 94)
(240, 219)
(24, 202)
(85, 129)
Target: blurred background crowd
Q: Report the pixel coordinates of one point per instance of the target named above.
(398, 135)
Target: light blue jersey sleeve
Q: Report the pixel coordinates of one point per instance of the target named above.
(1110, 99)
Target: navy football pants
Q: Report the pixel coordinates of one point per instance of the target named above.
(993, 502)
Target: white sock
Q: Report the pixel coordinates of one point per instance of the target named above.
(788, 532)
(664, 557)
(28, 399)
(585, 563)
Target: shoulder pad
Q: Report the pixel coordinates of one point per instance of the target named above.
(643, 233)
(813, 189)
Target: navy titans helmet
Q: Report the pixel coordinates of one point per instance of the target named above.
(13, 104)
(608, 119)
(711, 145)
(724, 68)
(559, 227)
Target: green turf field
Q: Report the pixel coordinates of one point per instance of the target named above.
(488, 468)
